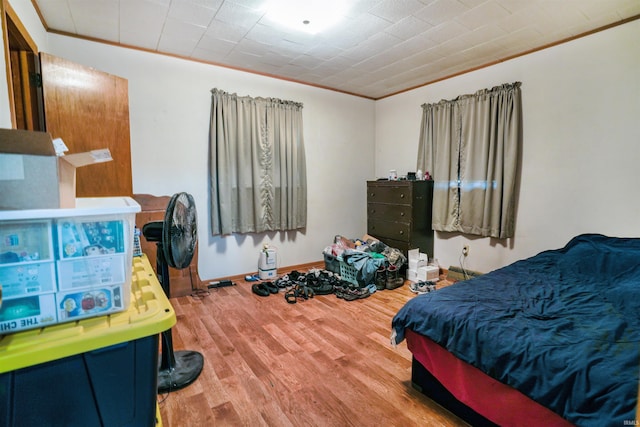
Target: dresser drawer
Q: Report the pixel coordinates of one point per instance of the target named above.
(389, 229)
(389, 194)
(399, 214)
(389, 212)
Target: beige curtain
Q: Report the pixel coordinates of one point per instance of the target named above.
(471, 146)
(257, 165)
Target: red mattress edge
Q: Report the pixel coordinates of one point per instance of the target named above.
(497, 402)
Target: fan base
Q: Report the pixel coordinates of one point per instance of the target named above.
(185, 371)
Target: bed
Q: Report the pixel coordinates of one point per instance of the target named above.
(549, 340)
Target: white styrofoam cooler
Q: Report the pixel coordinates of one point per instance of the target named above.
(80, 258)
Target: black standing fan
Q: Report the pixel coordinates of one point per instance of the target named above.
(176, 239)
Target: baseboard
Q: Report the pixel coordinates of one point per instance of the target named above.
(301, 267)
(281, 271)
(457, 273)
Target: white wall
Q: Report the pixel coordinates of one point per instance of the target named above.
(581, 148)
(170, 103)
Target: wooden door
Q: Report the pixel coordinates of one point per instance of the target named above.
(89, 109)
(24, 67)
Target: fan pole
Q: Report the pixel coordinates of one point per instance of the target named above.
(175, 239)
(177, 369)
(168, 360)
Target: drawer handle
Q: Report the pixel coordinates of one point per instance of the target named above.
(401, 232)
(402, 196)
(401, 213)
(372, 194)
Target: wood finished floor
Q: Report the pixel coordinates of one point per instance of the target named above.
(320, 362)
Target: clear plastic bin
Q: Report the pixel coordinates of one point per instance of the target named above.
(68, 253)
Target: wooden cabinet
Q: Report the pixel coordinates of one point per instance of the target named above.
(399, 214)
(183, 282)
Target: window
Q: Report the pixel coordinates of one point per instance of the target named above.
(471, 146)
(257, 165)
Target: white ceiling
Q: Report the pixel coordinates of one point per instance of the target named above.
(381, 47)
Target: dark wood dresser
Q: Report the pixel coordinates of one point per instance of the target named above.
(399, 214)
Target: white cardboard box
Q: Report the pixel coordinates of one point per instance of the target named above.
(423, 274)
(417, 259)
(428, 273)
(34, 173)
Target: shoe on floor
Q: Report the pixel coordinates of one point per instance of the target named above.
(271, 287)
(393, 278)
(422, 287)
(260, 289)
(355, 293)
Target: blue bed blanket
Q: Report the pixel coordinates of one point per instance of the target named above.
(563, 327)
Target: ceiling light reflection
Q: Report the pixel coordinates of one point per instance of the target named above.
(310, 16)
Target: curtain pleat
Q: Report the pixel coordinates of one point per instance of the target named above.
(471, 147)
(257, 165)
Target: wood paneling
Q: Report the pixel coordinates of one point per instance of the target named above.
(89, 109)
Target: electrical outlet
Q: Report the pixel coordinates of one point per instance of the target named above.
(465, 250)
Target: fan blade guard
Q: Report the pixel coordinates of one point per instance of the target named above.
(180, 230)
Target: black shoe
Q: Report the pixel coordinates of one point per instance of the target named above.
(381, 278)
(271, 287)
(260, 289)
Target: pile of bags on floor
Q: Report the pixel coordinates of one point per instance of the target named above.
(374, 262)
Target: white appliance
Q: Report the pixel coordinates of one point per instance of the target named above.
(268, 263)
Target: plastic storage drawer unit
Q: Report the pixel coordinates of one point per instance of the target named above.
(60, 265)
(100, 371)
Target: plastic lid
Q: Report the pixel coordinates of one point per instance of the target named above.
(85, 206)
